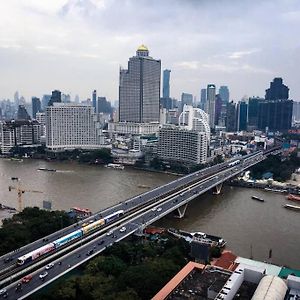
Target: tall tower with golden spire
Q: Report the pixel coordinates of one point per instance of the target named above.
(139, 88)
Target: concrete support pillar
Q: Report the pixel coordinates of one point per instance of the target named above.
(218, 189)
(181, 211)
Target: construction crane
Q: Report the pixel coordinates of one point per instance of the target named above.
(20, 192)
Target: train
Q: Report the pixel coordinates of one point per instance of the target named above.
(62, 241)
(234, 163)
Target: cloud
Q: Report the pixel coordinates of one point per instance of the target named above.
(240, 54)
(226, 42)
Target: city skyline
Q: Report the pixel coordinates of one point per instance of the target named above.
(77, 46)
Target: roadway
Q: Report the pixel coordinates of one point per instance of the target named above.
(133, 223)
(125, 205)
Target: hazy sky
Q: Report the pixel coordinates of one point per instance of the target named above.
(78, 45)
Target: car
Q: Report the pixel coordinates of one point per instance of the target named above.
(19, 287)
(153, 209)
(8, 259)
(2, 292)
(100, 243)
(43, 275)
(123, 229)
(90, 252)
(49, 266)
(109, 233)
(159, 209)
(26, 279)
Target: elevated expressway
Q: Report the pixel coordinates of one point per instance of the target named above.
(140, 211)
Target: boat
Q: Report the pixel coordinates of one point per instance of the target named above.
(16, 159)
(143, 186)
(203, 238)
(293, 207)
(45, 169)
(115, 166)
(275, 190)
(293, 197)
(258, 199)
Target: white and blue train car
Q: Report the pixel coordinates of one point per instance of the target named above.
(67, 238)
(113, 216)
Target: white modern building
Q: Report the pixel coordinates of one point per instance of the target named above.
(187, 142)
(72, 126)
(139, 88)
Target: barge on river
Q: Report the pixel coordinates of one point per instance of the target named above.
(201, 237)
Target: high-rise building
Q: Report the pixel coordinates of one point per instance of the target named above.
(22, 113)
(65, 98)
(211, 103)
(242, 115)
(45, 101)
(186, 99)
(224, 93)
(166, 83)
(70, 126)
(139, 88)
(203, 99)
(41, 118)
(218, 108)
(16, 98)
(94, 100)
(36, 106)
(275, 115)
(231, 119)
(187, 142)
(178, 144)
(296, 112)
(277, 90)
(253, 112)
(55, 97)
(104, 106)
(19, 132)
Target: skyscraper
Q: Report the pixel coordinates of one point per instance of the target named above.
(139, 88)
(211, 100)
(22, 113)
(231, 117)
(242, 111)
(45, 101)
(275, 113)
(224, 93)
(277, 90)
(218, 108)
(55, 97)
(94, 100)
(166, 83)
(186, 99)
(203, 99)
(36, 106)
(253, 112)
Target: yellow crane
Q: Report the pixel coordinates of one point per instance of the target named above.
(20, 192)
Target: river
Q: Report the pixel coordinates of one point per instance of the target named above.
(232, 214)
